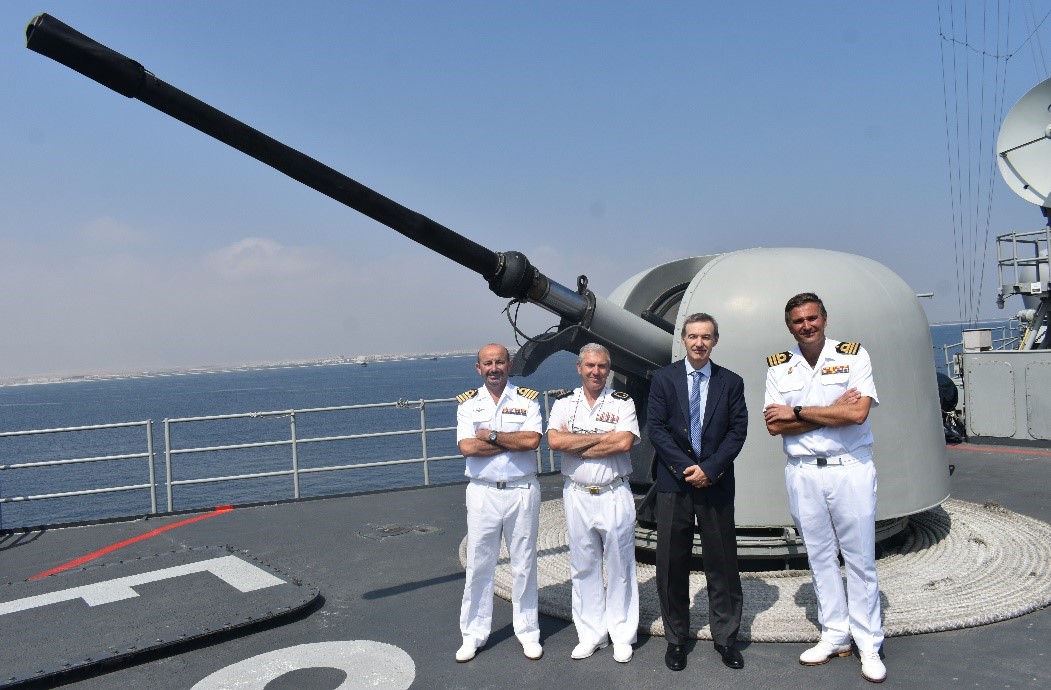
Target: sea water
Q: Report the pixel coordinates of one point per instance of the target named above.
(248, 390)
(160, 397)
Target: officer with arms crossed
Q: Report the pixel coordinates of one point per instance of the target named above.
(818, 397)
(595, 427)
(498, 428)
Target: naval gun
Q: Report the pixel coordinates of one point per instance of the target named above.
(746, 290)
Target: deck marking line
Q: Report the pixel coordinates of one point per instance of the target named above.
(128, 542)
(996, 449)
(232, 570)
(367, 664)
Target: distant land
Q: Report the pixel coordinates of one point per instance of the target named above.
(359, 360)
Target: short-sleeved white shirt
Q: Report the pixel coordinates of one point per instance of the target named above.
(512, 412)
(794, 382)
(612, 412)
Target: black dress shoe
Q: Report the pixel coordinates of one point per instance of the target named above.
(675, 657)
(731, 657)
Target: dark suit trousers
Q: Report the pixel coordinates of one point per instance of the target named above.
(676, 513)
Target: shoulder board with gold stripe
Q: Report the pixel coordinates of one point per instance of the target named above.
(848, 348)
(528, 393)
(621, 395)
(466, 395)
(779, 358)
(560, 393)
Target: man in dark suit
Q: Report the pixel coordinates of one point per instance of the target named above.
(697, 422)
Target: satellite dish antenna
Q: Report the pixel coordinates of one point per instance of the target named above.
(1024, 146)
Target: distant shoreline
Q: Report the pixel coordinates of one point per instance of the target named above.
(360, 360)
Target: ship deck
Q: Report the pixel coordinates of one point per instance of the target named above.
(388, 571)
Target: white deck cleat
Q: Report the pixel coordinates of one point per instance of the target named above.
(532, 650)
(622, 653)
(584, 649)
(872, 668)
(822, 653)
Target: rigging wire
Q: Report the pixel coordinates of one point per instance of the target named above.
(975, 52)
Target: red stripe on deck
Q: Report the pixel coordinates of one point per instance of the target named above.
(998, 449)
(128, 542)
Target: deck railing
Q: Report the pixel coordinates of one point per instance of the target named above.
(294, 442)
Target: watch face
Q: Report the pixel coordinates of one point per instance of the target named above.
(492, 437)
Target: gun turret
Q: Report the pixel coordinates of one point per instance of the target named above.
(637, 345)
(745, 289)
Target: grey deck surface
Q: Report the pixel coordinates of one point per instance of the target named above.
(405, 591)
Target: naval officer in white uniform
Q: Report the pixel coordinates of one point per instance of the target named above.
(498, 429)
(818, 398)
(595, 427)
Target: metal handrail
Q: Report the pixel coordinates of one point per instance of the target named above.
(294, 441)
(148, 455)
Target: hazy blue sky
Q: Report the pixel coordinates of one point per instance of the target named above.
(596, 137)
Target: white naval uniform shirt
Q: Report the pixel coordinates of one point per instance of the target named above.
(513, 412)
(794, 382)
(612, 412)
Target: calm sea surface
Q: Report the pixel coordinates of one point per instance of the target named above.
(160, 397)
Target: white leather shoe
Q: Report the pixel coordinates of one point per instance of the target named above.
(622, 653)
(822, 653)
(466, 652)
(872, 669)
(584, 650)
(532, 650)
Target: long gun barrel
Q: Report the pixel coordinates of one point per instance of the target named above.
(637, 345)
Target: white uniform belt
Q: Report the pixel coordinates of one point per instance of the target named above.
(523, 483)
(596, 489)
(822, 460)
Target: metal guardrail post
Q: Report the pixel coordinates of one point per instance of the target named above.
(149, 460)
(423, 443)
(295, 456)
(168, 462)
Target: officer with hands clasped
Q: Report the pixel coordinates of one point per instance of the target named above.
(594, 427)
(498, 429)
(818, 398)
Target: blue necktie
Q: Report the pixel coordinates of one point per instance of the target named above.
(696, 413)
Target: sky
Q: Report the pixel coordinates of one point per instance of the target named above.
(596, 137)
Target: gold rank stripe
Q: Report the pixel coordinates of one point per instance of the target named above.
(528, 393)
(779, 358)
(466, 395)
(848, 348)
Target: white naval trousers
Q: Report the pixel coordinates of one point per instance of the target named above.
(514, 513)
(834, 509)
(601, 528)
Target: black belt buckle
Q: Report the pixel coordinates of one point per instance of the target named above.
(821, 462)
(501, 485)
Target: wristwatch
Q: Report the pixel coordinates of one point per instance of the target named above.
(492, 437)
(798, 409)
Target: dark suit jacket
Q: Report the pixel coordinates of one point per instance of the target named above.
(723, 431)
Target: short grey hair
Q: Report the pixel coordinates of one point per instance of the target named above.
(593, 347)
